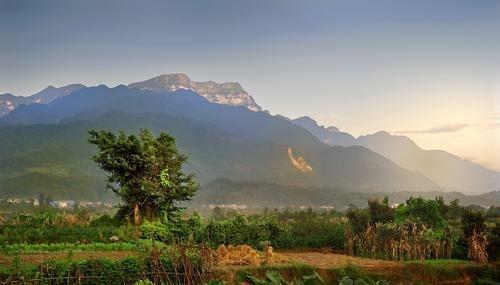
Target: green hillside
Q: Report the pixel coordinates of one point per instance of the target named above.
(55, 159)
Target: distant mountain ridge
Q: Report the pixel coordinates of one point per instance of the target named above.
(9, 102)
(445, 169)
(227, 93)
(328, 135)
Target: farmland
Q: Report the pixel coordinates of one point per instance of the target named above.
(45, 245)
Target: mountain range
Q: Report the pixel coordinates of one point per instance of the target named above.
(227, 93)
(225, 134)
(445, 169)
(9, 102)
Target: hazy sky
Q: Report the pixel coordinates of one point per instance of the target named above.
(426, 69)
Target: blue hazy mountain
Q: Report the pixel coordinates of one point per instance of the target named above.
(329, 135)
(227, 93)
(9, 102)
(43, 146)
(95, 101)
(445, 169)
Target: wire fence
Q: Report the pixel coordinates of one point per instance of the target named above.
(175, 266)
(169, 278)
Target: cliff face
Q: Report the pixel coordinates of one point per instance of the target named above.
(227, 93)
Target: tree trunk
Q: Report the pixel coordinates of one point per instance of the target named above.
(137, 215)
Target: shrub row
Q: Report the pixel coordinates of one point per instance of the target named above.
(43, 234)
(161, 267)
(101, 271)
(256, 232)
(50, 247)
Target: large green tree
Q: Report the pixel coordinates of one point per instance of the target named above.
(426, 211)
(380, 211)
(144, 171)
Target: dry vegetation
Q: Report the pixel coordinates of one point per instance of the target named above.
(407, 242)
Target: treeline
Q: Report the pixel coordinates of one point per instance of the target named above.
(421, 229)
(302, 229)
(417, 229)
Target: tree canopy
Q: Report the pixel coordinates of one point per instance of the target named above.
(144, 171)
(380, 211)
(421, 210)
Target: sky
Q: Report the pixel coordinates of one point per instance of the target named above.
(429, 70)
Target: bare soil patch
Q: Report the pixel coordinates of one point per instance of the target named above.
(333, 260)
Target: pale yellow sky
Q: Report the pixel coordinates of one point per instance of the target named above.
(478, 143)
(467, 127)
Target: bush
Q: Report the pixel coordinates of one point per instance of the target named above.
(358, 220)
(42, 234)
(155, 230)
(104, 220)
(420, 210)
(27, 248)
(259, 232)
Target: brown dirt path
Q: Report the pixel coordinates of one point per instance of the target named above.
(333, 260)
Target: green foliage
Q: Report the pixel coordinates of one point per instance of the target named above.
(240, 230)
(380, 212)
(472, 220)
(194, 226)
(144, 171)
(358, 219)
(101, 271)
(348, 281)
(178, 261)
(303, 229)
(44, 234)
(493, 212)
(494, 239)
(50, 247)
(155, 230)
(420, 210)
(352, 275)
(104, 220)
(275, 278)
(453, 211)
(428, 226)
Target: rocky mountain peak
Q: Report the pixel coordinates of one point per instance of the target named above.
(228, 93)
(168, 81)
